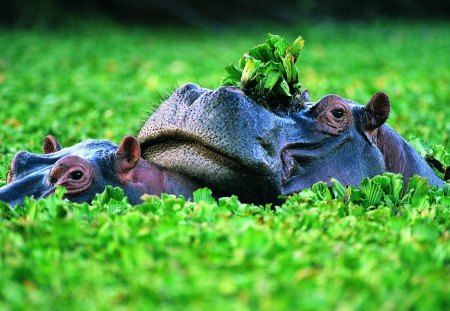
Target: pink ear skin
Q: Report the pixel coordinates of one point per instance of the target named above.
(51, 145)
(376, 111)
(140, 177)
(149, 178)
(128, 154)
(134, 171)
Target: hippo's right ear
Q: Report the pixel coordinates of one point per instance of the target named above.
(376, 111)
(51, 145)
(128, 154)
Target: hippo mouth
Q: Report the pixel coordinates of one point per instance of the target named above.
(169, 150)
(225, 174)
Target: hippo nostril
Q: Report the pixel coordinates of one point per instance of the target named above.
(19, 159)
(189, 93)
(18, 164)
(234, 89)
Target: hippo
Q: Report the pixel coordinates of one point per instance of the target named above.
(226, 141)
(86, 168)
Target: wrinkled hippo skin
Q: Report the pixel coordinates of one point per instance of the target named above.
(226, 141)
(85, 169)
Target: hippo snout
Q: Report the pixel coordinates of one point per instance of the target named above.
(34, 185)
(223, 139)
(25, 162)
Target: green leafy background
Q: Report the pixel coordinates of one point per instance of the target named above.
(339, 248)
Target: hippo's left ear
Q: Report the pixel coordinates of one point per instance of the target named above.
(128, 154)
(376, 111)
(50, 145)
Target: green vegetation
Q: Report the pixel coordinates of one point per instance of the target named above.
(269, 74)
(340, 248)
(363, 249)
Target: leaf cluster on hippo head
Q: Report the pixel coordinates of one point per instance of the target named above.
(268, 73)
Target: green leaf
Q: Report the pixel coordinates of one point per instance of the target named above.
(294, 78)
(396, 185)
(418, 186)
(271, 80)
(243, 60)
(372, 193)
(419, 146)
(262, 52)
(297, 45)
(232, 77)
(250, 70)
(322, 191)
(230, 81)
(234, 71)
(110, 193)
(272, 39)
(284, 88)
(281, 47)
(204, 195)
(338, 189)
(287, 66)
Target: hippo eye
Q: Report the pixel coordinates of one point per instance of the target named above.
(337, 113)
(77, 175)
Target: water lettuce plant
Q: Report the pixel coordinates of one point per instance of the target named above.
(381, 245)
(268, 73)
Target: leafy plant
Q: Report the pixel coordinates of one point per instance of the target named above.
(269, 74)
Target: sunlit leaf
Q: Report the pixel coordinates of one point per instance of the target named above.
(338, 189)
(297, 46)
(271, 79)
(372, 192)
(204, 195)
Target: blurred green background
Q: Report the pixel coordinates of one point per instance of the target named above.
(101, 79)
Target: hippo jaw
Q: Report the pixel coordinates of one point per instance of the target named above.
(224, 173)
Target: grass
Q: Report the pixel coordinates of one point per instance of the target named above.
(313, 252)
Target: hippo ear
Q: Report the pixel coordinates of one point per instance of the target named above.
(376, 111)
(51, 145)
(128, 154)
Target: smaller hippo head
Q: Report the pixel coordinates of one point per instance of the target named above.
(85, 169)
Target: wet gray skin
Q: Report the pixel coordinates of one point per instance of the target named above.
(226, 141)
(85, 169)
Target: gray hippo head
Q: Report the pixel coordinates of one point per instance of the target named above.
(226, 141)
(85, 169)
